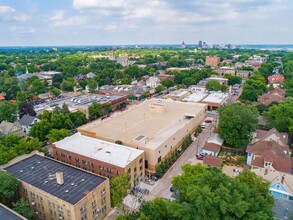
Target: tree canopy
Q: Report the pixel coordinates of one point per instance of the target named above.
(213, 85)
(254, 86)
(8, 187)
(280, 116)
(236, 123)
(8, 111)
(119, 187)
(207, 193)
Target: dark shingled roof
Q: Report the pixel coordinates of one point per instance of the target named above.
(8, 214)
(280, 209)
(40, 171)
(27, 120)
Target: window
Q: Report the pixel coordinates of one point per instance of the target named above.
(104, 209)
(25, 191)
(60, 208)
(103, 192)
(84, 162)
(94, 204)
(101, 167)
(83, 217)
(83, 208)
(140, 161)
(118, 173)
(146, 164)
(77, 159)
(129, 170)
(105, 168)
(140, 168)
(278, 186)
(134, 170)
(110, 170)
(159, 159)
(104, 201)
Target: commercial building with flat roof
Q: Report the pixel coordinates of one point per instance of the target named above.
(8, 214)
(82, 102)
(101, 157)
(56, 190)
(214, 100)
(155, 126)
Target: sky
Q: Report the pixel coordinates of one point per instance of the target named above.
(124, 22)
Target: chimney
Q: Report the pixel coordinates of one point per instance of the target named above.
(59, 178)
(282, 179)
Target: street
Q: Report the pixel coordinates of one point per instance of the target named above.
(162, 186)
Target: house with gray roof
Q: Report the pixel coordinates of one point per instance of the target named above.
(11, 128)
(27, 122)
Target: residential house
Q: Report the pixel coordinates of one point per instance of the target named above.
(244, 74)
(11, 128)
(211, 149)
(269, 149)
(213, 145)
(153, 82)
(213, 161)
(276, 95)
(281, 184)
(27, 122)
(90, 75)
(276, 80)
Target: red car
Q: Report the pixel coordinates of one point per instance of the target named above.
(208, 121)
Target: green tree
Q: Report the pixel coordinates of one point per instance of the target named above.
(57, 135)
(56, 92)
(77, 119)
(236, 122)
(119, 187)
(253, 87)
(41, 129)
(232, 80)
(95, 110)
(168, 83)
(213, 85)
(288, 85)
(22, 207)
(24, 96)
(92, 84)
(159, 88)
(37, 87)
(8, 111)
(280, 116)
(8, 187)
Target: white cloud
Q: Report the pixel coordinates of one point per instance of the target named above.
(22, 18)
(6, 9)
(88, 4)
(58, 19)
(22, 30)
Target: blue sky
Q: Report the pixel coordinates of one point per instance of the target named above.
(115, 22)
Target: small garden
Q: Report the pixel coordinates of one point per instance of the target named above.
(168, 162)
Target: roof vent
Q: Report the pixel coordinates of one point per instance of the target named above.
(67, 191)
(21, 171)
(72, 184)
(32, 168)
(59, 178)
(82, 180)
(46, 182)
(39, 162)
(108, 152)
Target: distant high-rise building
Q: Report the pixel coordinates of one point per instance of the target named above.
(200, 44)
(183, 45)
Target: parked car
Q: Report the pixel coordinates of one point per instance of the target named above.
(172, 189)
(208, 121)
(200, 156)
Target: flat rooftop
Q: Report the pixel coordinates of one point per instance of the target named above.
(85, 100)
(216, 97)
(40, 171)
(152, 121)
(107, 152)
(195, 97)
(8, 214)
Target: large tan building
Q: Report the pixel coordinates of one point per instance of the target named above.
(101, 157)
(156, 126)
(212, 61)
(56, 190)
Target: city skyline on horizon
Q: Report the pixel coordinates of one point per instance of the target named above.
(156, 22)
